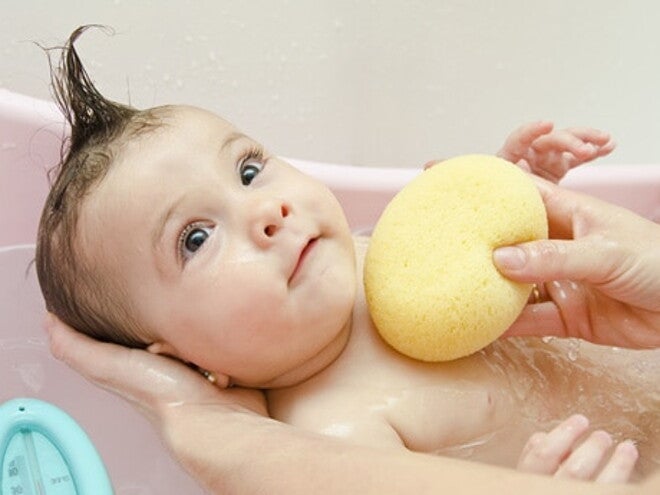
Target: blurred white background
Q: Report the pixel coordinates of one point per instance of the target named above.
(365, 82)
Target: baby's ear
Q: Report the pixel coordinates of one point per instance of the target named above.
(163, 348)
(218, 379)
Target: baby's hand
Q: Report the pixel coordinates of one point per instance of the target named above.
(561, 453)
(543, 151)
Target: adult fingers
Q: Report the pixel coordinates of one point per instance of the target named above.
(571, 215)
(574, 214)
(94, 360)
(594, 261)
(561, 206)
(136, 375)
(147, 380)
(541, 319)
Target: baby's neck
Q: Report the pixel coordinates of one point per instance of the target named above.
(317, 363)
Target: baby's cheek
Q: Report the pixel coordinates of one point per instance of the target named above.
(254, 302)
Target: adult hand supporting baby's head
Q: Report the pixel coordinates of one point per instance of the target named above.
(598, 274)
(202, 425)
(154, 384)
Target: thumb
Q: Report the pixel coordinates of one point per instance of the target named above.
(149, 381)
(136, 375)
(579, 260)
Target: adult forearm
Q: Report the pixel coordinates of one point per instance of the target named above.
(224, 440)
(245, 454)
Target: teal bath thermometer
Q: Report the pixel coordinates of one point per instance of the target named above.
(43, 451)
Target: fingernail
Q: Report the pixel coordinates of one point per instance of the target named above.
(589, 148)
(629, 447)
(579, 421)
(510, 258)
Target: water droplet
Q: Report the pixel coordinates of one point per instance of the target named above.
(573, 350)
(32, 375)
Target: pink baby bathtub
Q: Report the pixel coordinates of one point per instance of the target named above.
(138, 464)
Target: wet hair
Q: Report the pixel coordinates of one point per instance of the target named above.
(74, 289)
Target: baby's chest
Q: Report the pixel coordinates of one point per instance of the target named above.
(423, 419)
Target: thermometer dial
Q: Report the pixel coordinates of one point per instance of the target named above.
(43, 451)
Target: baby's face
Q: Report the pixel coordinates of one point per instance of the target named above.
(234, 260)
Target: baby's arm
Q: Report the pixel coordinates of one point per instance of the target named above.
(561, 453)
(550, 153)
(541, 150)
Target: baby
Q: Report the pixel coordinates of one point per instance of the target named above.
(169, 229)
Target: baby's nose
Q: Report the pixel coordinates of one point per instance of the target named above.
(269, 218)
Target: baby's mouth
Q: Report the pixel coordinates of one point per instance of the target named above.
(304, 253)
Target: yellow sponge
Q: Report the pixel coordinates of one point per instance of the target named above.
(433, 291)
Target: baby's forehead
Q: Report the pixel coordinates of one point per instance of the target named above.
(181, 115)
(175, 134)
(175, 128)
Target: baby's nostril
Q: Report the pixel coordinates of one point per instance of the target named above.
(270, 230)
(284, 211)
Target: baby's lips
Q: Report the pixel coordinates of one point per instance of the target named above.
(305, 248)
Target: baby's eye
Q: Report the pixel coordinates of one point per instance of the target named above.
(251, 166)
(192, 238)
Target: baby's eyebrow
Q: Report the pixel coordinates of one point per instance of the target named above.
(233, 137)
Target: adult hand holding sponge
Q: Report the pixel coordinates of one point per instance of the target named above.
(433, 291)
